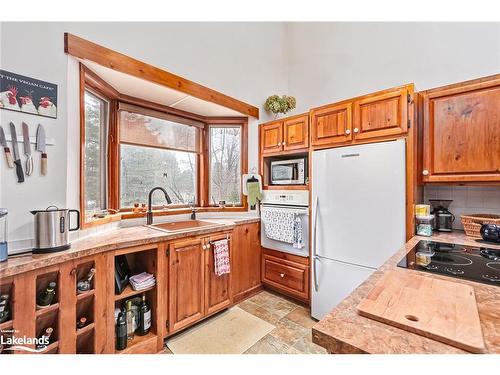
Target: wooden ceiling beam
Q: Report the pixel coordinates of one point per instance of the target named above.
(86, 50)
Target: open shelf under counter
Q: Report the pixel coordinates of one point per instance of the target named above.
(84, 295)
(50, 348)
(46, 310)
(6, 325)
(129, 292)
(141, 344)
(83, 330)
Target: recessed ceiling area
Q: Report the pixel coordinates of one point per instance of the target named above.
(139, 88)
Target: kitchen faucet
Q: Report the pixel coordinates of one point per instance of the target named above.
(193, 213)
(149, 214)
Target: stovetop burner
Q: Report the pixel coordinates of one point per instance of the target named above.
(479, 264)
(491, 254)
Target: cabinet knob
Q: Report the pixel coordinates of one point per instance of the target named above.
(279, 143)
(282, 275)
(205, 247)
(347, 132)
(356, 130)
(425, 172)
(73, 272)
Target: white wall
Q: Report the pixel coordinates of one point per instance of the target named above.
(243, 60)
(333, 61)
(317, 62)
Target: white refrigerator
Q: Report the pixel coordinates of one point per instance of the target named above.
(358, 198)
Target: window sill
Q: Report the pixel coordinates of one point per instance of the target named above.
(101, 221)
(180, 211)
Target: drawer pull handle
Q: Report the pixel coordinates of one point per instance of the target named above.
(282, 275)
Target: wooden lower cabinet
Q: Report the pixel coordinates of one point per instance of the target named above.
(186, 283)
(246, 258)
(218, 294)
(286, 273)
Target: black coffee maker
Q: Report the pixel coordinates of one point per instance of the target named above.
(443, 219)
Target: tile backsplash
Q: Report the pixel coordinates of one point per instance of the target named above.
(466, 199)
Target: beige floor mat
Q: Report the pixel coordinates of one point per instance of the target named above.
(231, 332)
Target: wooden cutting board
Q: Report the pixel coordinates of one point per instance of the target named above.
(440, 310)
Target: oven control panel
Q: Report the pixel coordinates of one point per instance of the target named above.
(288, 197)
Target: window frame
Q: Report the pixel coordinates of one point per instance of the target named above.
(227, 123)
(116, 102)
(103, 138)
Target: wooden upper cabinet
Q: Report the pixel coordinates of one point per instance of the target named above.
(331, 124)
(296, 133)
(383, 113)
(271, 137)
(461, 132)
(186, 283)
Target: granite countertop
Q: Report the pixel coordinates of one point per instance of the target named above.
(108, 241)
(344, 331)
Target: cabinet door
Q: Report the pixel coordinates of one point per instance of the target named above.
(186, 281)
(382, 114)
(331, 124)
(462, 132)
(217, 288)
(296, 133)
(246, 257)
(271, 137)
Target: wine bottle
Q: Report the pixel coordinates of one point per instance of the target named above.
(85, 284)
(82, 322)
(4, 308)
(44, 340)
(130, 321)
(46, 297)
(144, 317)
(121, 331)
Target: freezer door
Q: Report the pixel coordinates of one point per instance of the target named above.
(332, 282)
(359, 202)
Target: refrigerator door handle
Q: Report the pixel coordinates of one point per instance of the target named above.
(315, 271)
(315, 225)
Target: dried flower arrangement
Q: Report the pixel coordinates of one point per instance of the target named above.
(280, 104)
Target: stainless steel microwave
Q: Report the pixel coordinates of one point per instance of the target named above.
(288, 172)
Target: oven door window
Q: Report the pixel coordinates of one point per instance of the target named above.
(284, 172)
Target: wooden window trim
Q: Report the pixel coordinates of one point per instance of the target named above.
(89, 80)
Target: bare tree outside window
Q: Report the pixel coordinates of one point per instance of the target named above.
(95, 153)
(225, 164)
(157, 152)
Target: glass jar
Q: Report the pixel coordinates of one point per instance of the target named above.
(3, 234)
(425, 225)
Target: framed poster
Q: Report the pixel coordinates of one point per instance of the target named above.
(27, 95)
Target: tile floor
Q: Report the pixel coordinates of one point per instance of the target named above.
(293, 323)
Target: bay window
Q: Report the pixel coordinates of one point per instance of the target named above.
(131, 146)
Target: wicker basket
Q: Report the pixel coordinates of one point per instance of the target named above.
(472, 223)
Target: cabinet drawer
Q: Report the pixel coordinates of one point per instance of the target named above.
(288, 277)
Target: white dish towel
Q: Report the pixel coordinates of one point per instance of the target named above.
(282, 225)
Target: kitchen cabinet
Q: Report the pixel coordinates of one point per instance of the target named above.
(289, 134)
(377, 115)
(246, 258)
(195, 291)
(186, 282)
(296, 133)
(217, 288)
(331, 124)
(271, 137)
(461, 132)
(381, 114)
(286, 273)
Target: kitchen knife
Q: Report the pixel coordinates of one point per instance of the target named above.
(40, 146)
(6, 149)
(15, 150)
(27, 149)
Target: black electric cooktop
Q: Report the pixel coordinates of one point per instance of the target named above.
(479, 264)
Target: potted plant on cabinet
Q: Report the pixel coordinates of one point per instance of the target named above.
(280, 104)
